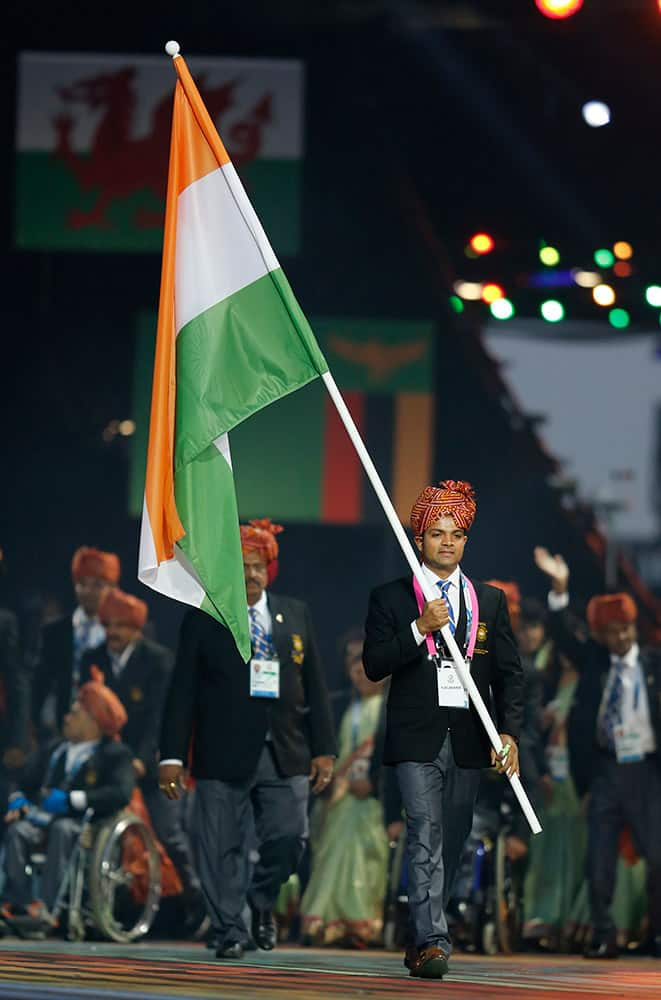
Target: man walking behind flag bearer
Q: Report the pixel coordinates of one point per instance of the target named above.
(614, 744)
(261, 733)
(434, 739)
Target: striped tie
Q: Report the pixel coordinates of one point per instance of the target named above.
(262, 642)
(445, 587)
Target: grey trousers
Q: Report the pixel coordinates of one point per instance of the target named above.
(625, 794)
(224, 816)
(167, 819)
(438, 799)
(21, 840)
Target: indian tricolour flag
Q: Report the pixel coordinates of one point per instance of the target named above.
(231, 339)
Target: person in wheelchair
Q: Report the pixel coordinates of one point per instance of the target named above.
(88, 770)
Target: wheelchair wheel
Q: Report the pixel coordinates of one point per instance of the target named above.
(507, 902)
(124, 879)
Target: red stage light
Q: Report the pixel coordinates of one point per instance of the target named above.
(559, 9)
(491, 293)
(481, 243)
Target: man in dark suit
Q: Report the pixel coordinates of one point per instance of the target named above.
(614, 743)
(433, 737)
(138, 671)
(89, 769)
(63, 642)
(261, 732)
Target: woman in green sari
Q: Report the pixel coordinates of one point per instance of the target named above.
(343, 901)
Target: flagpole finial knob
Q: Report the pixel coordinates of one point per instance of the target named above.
(172, 48)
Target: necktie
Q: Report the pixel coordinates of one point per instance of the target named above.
(262, 642)
(612, 714)
(445, 588)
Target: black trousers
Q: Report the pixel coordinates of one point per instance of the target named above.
(624, 795)
(225, 814)
(167, 819)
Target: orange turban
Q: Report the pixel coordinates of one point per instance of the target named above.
(452, 498)
(116, 606)
(513, 598)
(606, 608)
(93, 562)
(102, 704)
(259, 536)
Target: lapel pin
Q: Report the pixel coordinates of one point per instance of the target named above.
(279, 618)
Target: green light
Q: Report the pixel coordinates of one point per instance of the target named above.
(549, 256)
(552, 311)
(604, 258)
(456, 304)
(502, 309)
(619, 318)
(653, 295)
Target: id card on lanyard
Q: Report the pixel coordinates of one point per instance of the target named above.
(451, 692)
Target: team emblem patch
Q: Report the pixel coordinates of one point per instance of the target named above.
(91, 778)
(482, 632)
(297, 648)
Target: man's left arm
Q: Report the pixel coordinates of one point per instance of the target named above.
(506, 674)
(321, 728)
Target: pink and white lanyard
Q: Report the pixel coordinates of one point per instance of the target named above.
(472, 616)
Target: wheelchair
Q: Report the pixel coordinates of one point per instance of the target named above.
(111, 886)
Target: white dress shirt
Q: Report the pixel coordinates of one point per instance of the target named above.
(119, 662)
(635, 703)
(454, 596)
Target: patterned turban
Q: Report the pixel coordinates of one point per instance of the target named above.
(259, 536)
(606, 608)
(452, 498)
(102, 704)
(513, 598)
(93, 562)
(116, 606)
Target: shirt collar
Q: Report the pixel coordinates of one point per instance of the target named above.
(79, 618)
(261, 605)
(454, 578)
(631, 659)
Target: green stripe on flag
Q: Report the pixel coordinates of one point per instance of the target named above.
(206, 502)
(237, 357)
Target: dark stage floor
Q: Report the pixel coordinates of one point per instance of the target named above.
(57, 969)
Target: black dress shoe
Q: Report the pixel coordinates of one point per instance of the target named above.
(601, 949)
(264, 930)
(232, 950)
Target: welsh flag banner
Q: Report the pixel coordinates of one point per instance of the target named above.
(231, 339)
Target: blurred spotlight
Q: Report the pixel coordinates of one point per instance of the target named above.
(471, 290)
(492, 292)
(596, 114)
(481, 243)
(552, 311)
(456, 304)
(622, 249)
(619, 318)
(549, 256)
(653, 295)
(586, 279)
(603, 258)
(603, 295)
(126, 428)
(110, 431)
(622, 269)
(502, 309)
(558, 9)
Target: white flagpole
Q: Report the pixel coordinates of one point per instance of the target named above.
(430, 594)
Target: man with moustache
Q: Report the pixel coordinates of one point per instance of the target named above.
(433, 737)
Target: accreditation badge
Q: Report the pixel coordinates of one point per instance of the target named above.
(451, 693)
(628, 745)
(264, 678)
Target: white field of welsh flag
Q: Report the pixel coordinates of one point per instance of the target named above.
(231, 339)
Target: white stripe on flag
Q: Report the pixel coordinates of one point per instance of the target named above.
(175, 578)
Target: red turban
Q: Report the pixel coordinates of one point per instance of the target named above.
(92, 562)
(116, 606)
(259, 536)
(452, 498)
(606, 608)
(102, 704)
(513, 598)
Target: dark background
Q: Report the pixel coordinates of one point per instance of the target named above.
(424, 123)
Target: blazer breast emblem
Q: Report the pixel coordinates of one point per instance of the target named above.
(136, 694)
(482, 632)
(297, 648)
(91, 778)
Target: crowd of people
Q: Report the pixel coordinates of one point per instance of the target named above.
(281, 821)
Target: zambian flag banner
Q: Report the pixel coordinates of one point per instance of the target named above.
(231, 339)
